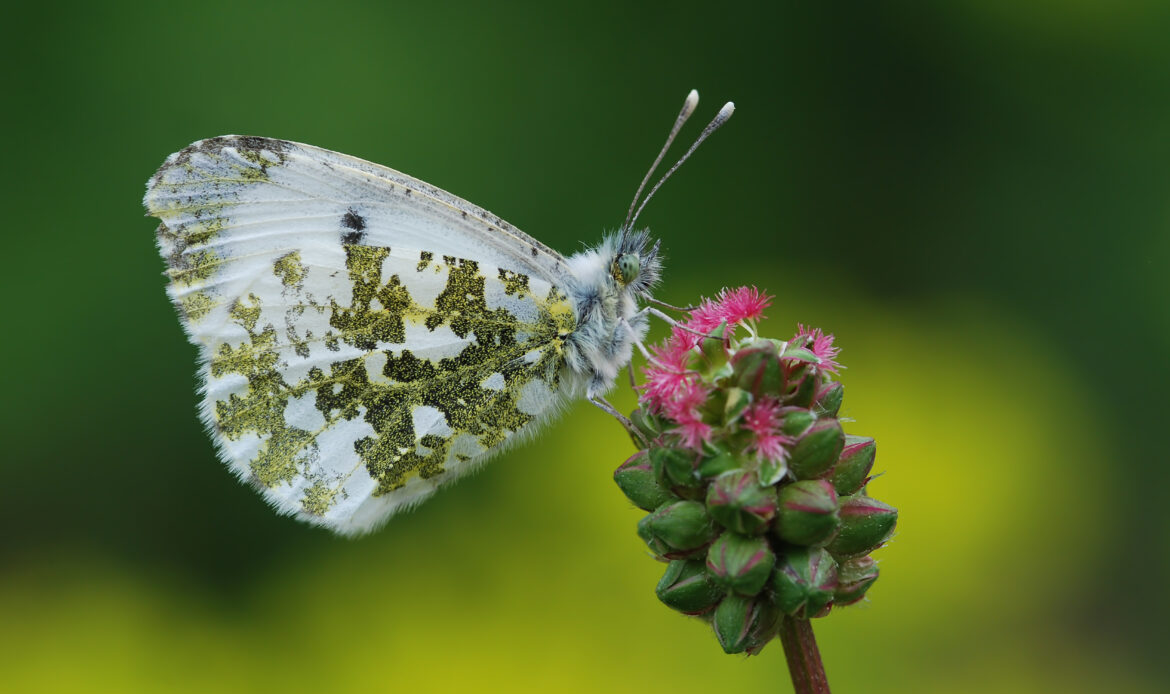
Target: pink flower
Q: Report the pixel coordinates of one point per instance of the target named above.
(683, 408)
(665, 375)
(692, 431)
(687, 399)
(706, 317)
(762, 419)
(682, 338)
(744, 303)
(671, 388)
(822, 346)
(733, 306)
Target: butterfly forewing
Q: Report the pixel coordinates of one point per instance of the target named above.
(364, 337)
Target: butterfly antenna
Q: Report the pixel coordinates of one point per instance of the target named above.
(688, 108)
(719, 119)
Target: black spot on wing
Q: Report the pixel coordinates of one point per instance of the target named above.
(357, 227)
(353, 220)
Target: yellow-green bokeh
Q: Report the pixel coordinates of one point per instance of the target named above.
(972, 198)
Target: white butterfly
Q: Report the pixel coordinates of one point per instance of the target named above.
(365, 337)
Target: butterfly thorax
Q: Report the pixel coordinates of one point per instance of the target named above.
(610, 281)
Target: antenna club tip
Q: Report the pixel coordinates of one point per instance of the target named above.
(727, 110)
(691, 102)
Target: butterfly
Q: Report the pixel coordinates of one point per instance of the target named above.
(365, 337)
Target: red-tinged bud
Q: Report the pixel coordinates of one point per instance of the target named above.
(802, 386)
(866, 524)
(688, 587)
(828, 399)
(677, 529)
(740, 564)
(638, 482)
(738, 502)
(816, 451)
(797, 421)
(745, 624)
(808, 513)
(854, 579)
(804, 582)
(675, 466)
(756, 369)
(852, 469)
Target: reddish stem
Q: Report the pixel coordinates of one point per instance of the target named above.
(804, 660)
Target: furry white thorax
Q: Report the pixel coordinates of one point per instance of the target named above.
(609, 320)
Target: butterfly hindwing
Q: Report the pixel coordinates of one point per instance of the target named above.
(364, 337)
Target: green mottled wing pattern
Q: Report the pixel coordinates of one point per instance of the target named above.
(365, 338)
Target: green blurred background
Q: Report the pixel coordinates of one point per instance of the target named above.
(972, 196)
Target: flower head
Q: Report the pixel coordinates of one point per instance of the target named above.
(743, 304)
(734, 306)
(821, 345)
(755, 494)
(683, 408)
(665, 375)
(762, 418)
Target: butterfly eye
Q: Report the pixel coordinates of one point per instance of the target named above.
(628, 267)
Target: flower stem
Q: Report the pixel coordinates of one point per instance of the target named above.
(804, 660)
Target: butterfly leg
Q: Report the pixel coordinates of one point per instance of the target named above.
(680, 309)
(672, 322)
(604, 405)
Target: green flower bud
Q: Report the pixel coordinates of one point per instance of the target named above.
(817, 450)
(802, 386)
(852, 469)
(713, 407)
(866, 523)
(828, 399)
(714, 345)
(687, 587)
(808, 513)
(675, 466)
(740, 564)
(795, 353)
(745, 624)
(797, 421)
(804, 582)
(756, 368)
(854, 579)
(648, 424)
(639, 483)
(657, 546)
(737, 401)
(737, 501)
(677, 530)
(718, 464)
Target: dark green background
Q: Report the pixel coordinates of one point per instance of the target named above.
(973, 196)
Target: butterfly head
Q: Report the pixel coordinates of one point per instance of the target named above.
(636, 265)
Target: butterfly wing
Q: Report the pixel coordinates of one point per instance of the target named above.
(364, 337)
